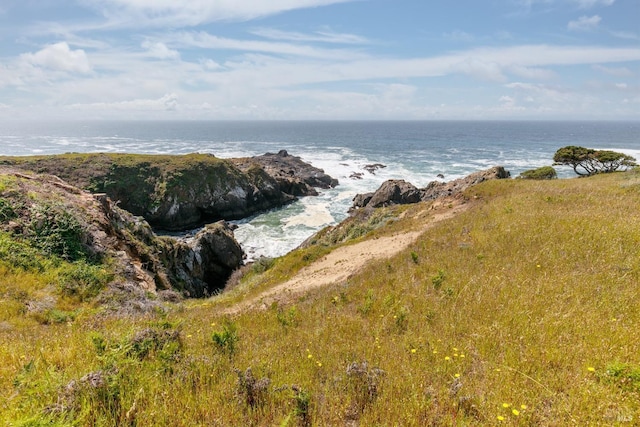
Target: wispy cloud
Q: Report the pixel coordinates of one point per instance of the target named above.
(614, 71)
(168, 102)
(627, 35)
(204, 40)
(588, 4)
(176, 14)
(584, 23)
(160, 50)
(459, 36)
(318, 36)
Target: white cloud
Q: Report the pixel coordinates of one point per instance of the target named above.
(211, 65)
(622, 86)
(480, 69)
(205, 40)
(160, 50)
(459, 36)
(616, 72)
(168, 102)
(585, 23)
(532, 73)
(176, 14)
(59, 57)
(582, 4)
(318, 36)
(627, 35)
(588, 4)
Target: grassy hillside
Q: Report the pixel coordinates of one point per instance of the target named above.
(522, 310)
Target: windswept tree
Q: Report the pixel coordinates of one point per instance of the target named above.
(587, 161)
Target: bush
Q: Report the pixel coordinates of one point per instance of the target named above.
(6, 210)
(545, 172)
(56, 232)
(84, 281)
(251, 392)
(227, 339)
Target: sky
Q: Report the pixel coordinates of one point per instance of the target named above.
(320, 59)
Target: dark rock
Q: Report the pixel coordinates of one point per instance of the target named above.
(294, 176)
(202, 264)
(362, 200)
(400, 192)
(356, 175)
(437, 189)
(372, 168)
(394, 192)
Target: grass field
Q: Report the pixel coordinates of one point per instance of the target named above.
(523, 310)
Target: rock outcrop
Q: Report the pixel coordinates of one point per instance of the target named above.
(396, 192)
(180, 192)
(200, 265)
(294, 176)
(96, 228)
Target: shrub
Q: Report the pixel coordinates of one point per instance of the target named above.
(545, 172)
(626, 376)
(302, 401)
(287, 317)
(438, 279)
(251, 392)
(6, 210)
(364, 384)
(84, 281)
(227, 339)
(262, 264)
(163, 341)
(56, 232)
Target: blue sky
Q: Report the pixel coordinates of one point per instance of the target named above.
(320, 59)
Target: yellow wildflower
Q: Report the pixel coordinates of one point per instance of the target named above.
(515, 412)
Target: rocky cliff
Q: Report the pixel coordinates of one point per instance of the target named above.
(179, 192)
(65, 221)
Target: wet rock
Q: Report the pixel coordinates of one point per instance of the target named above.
(372, 168)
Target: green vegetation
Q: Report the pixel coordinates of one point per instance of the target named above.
(144, 184)
(520, 310)
(587, 161)
(545, 172)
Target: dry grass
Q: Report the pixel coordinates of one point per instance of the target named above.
(522, 310)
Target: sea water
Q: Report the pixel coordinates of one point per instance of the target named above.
(416, 151)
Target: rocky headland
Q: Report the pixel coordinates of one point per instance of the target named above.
(181, 192)
(108, 206)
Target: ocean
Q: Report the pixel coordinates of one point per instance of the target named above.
(416, 151)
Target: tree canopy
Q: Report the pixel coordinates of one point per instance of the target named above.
(587, 161)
